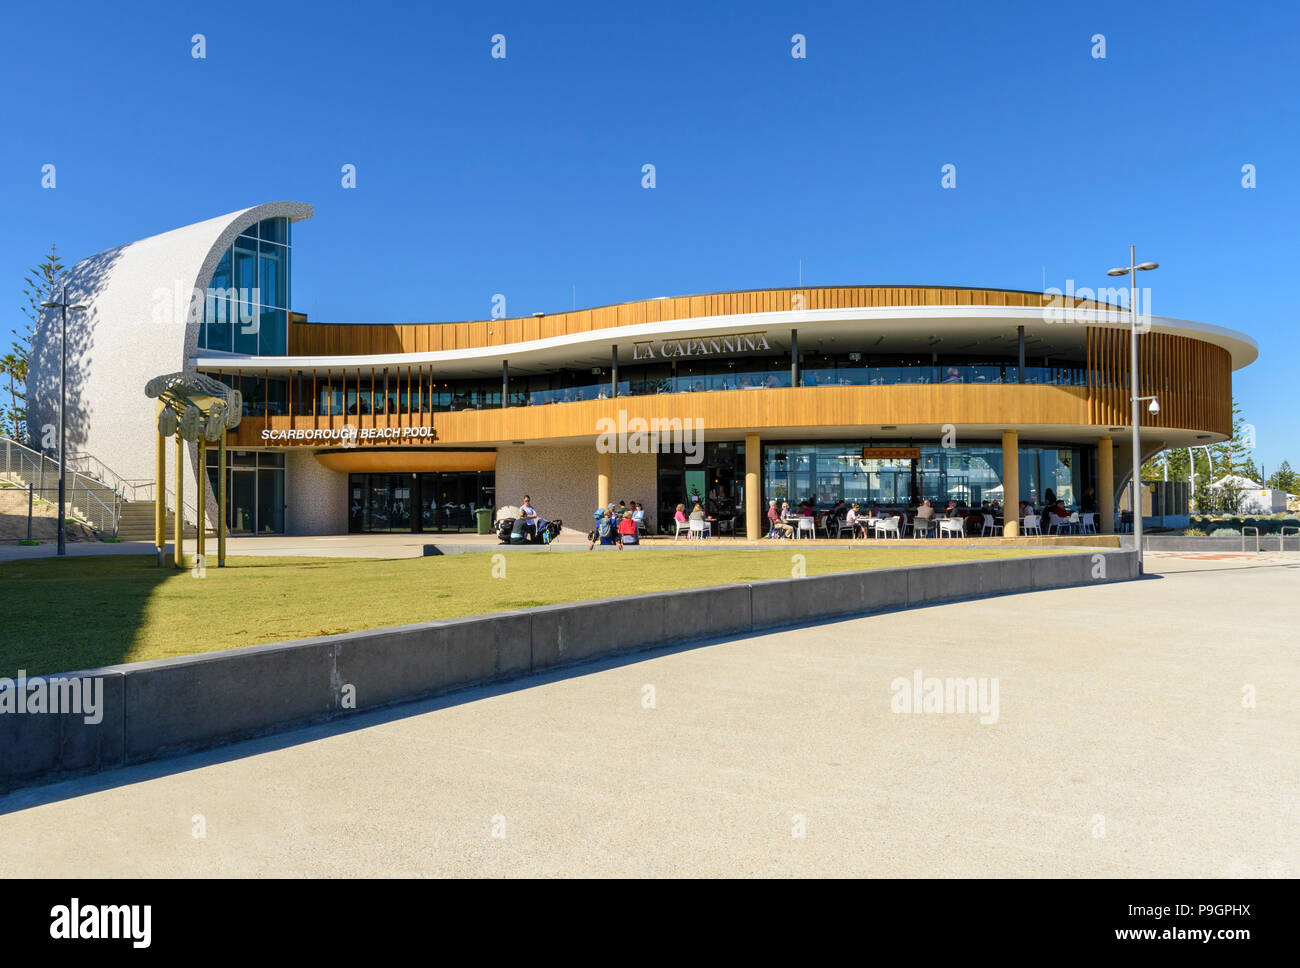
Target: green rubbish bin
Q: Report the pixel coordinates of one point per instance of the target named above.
(484, 519)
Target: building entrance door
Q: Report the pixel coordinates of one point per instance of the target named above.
(242, 500)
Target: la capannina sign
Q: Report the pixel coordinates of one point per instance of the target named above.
(699, 346)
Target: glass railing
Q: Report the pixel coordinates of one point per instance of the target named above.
(440, 400)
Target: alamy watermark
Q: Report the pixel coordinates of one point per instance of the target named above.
(216, 305)
(930, 694)
(1113, 305)
(82, 696)
(658, 435)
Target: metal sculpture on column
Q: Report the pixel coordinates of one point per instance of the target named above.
(196, 408)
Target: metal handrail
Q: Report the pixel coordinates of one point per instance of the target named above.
(29, 464)
(1281, 538)
(1243, 538)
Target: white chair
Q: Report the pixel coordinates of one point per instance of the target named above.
(886, 526)
(698, 529)
(1087, 524)
(991, 527)
(955, 526)
(1033, 525)
(922, 526)
(681, 526)
(845, 526)
(805, 524)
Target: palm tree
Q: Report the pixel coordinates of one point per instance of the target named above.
(8, 363)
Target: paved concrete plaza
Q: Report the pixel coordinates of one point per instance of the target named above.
(1122, 747)
(406, 545)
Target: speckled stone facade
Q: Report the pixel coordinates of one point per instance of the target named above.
(316, 498)
(562, 481)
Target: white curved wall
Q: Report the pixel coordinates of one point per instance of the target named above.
(142, 321)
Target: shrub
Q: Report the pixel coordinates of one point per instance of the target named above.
(1193, 533)
(1225, 533)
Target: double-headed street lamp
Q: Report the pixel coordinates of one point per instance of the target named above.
(63, 306)
(1132, 269)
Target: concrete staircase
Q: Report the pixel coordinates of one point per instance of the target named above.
(136, 523)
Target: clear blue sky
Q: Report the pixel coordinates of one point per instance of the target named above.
(523, 176)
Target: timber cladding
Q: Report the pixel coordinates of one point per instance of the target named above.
(346, 339)
(722, 411)
(1191, 378)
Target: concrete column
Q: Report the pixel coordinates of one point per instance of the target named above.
(1010, 483)
(753, 491)
(602, 478)
(1106, 485)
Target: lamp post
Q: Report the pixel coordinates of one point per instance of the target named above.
(1132, 269)
(63, 307)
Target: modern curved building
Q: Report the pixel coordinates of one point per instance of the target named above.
(889, 394)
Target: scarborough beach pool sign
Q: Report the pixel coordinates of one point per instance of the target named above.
(348, 435)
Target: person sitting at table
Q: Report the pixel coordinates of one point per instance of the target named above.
(873, 510)
(1058, 510)
(680, 514)
(697, 513)
(850, 519)
(638, 514)
(1089, 503)
(627, 531)
(804, 510)
(776, 527)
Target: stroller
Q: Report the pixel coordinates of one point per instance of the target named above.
(513, 531)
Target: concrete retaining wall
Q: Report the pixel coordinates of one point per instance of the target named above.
(169, 706)
(1267, 542)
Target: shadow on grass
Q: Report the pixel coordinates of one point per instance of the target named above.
(68, 614)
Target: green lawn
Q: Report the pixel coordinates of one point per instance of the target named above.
(80, 613)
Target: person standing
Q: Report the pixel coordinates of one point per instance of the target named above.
(529, 514)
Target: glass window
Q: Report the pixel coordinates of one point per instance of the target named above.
(273, 332)
(247, 322)
(245, 265)
(272, 282)
(274, 230)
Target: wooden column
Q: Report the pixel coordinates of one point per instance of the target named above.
(1010, 483)
(1106, 485)
(602, 478)
(200, 538)
(178, 517)
(160, 492)
(753, 490)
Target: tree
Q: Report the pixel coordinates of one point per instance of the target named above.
(41, 285)
(1250, 471)
(15, 371)
(1284, 479)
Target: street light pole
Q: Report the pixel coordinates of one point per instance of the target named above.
(63, 307)
(1135, 390)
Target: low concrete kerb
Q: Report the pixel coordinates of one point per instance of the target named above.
(167, 707)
